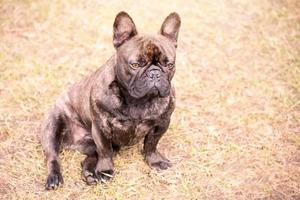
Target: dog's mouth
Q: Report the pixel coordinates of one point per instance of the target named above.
(154, 91)
(148, 86)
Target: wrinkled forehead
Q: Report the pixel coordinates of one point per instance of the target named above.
(149, 48)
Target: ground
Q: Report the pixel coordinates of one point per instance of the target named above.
(235, 133)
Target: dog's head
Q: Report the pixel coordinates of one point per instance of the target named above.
(145, 64)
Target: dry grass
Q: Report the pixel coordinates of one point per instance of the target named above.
(235, 133)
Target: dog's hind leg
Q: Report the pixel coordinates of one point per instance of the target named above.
(51, 138)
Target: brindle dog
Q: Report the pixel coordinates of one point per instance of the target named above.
(129, 98)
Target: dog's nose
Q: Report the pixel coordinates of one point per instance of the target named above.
(154, 74)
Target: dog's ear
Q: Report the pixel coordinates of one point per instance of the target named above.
(123, 29)
(170, 27)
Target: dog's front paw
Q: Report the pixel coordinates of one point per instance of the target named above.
(89, 177)
(104, 169)
(157, 161)
(105, 175)
(54, 179)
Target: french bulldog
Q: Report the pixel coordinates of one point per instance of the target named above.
(128, 99)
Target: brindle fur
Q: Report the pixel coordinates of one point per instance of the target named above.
(104, 112)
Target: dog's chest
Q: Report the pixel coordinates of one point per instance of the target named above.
(133, 123)
(129, 132)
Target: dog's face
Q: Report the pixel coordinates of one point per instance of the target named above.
(145, 64)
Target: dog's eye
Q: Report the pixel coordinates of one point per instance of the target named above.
(170, 65)
(134, 65)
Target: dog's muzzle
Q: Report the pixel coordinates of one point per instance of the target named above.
(154, 82)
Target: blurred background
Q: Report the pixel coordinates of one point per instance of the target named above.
(235, 133)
